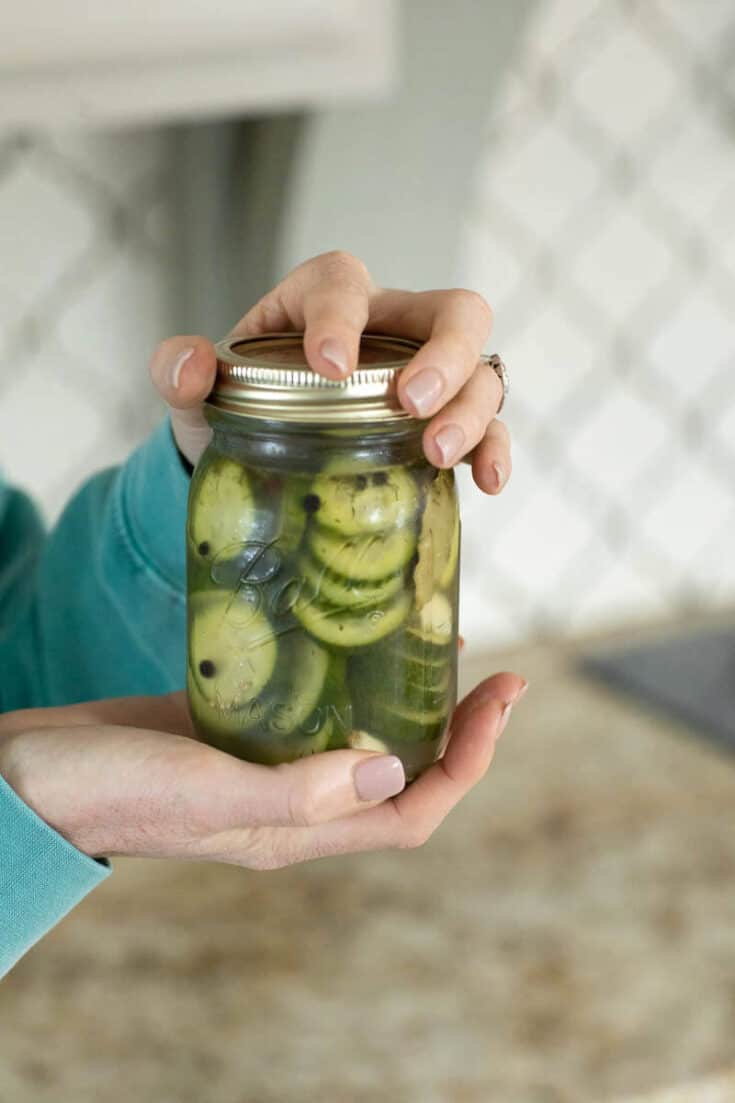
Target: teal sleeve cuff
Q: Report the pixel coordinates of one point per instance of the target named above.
(42, 877)
(155, 491)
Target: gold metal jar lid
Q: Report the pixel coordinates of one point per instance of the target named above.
(268, 377)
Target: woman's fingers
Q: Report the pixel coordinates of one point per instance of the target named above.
(268, 819)
(336, 309)
(411, 818)
(328, 298)
(454, 326)
(460, 426)
(183, 370)
(491, 460)
(332, 299)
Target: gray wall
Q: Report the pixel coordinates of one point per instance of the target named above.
(391, 182)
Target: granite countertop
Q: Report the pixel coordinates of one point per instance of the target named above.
(567, 937)
(718, 1090)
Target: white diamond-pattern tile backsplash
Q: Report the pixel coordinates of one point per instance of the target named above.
(86, 237)
(603, 232)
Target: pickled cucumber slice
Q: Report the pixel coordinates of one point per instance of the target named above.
(272, 752)
(294, 513)
(335, 701)
(422, 718)
(232, 649)
(438, 544)
(233, 733)
(369, 502)
(365, 558)
(434, 676)
(338, 590)
(399, 725)
(357, 627)
(295, 688)
(386, 677)
(434, 623)
(223, 509)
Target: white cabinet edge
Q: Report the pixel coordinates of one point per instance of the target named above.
(297, 54)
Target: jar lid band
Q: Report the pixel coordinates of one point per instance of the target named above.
(268, 377)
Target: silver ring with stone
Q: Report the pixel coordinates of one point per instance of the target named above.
(501, 371)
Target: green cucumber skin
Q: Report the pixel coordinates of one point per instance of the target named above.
(337, 589)
(354, 505)
(216, 623)
(354, 628)
(366, 558)
(408, 685)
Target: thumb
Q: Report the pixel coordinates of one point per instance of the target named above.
(183, 371)
(314, 790)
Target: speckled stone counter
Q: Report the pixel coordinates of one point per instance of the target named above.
(718, 1090)
(568, 936)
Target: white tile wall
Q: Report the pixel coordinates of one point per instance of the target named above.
(603, 231)
(85, 239)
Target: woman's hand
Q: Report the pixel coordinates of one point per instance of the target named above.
(332, 298)
(121, 777)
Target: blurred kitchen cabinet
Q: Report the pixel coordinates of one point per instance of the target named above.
(156, 60)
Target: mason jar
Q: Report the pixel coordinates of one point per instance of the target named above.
(323, 562)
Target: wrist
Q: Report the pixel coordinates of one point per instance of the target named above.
(31, 774)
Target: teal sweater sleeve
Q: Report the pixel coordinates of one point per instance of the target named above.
(94, 609)
(97, 607)
(42, 877)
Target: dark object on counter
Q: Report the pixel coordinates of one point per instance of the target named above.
(690, 677)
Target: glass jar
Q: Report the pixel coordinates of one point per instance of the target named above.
(323, 563)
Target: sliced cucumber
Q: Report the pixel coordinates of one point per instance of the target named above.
(356, 627)
(434, 623)
(365, 558)
(438, 544)
(394, 725)
(335, 701)
(233, 732)
(293, 514)
(272, 751)
(369, 502)
(421, 718)
(432, 677)
(232, 648)
(428, 655)
(223, 511)
(218, 726)
(294, 690)
(339, 590)
(409, 684)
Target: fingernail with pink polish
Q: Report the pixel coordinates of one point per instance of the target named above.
(380, 777)
(335, 354)
(424, 391)
(174, 371)
(450, 441)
